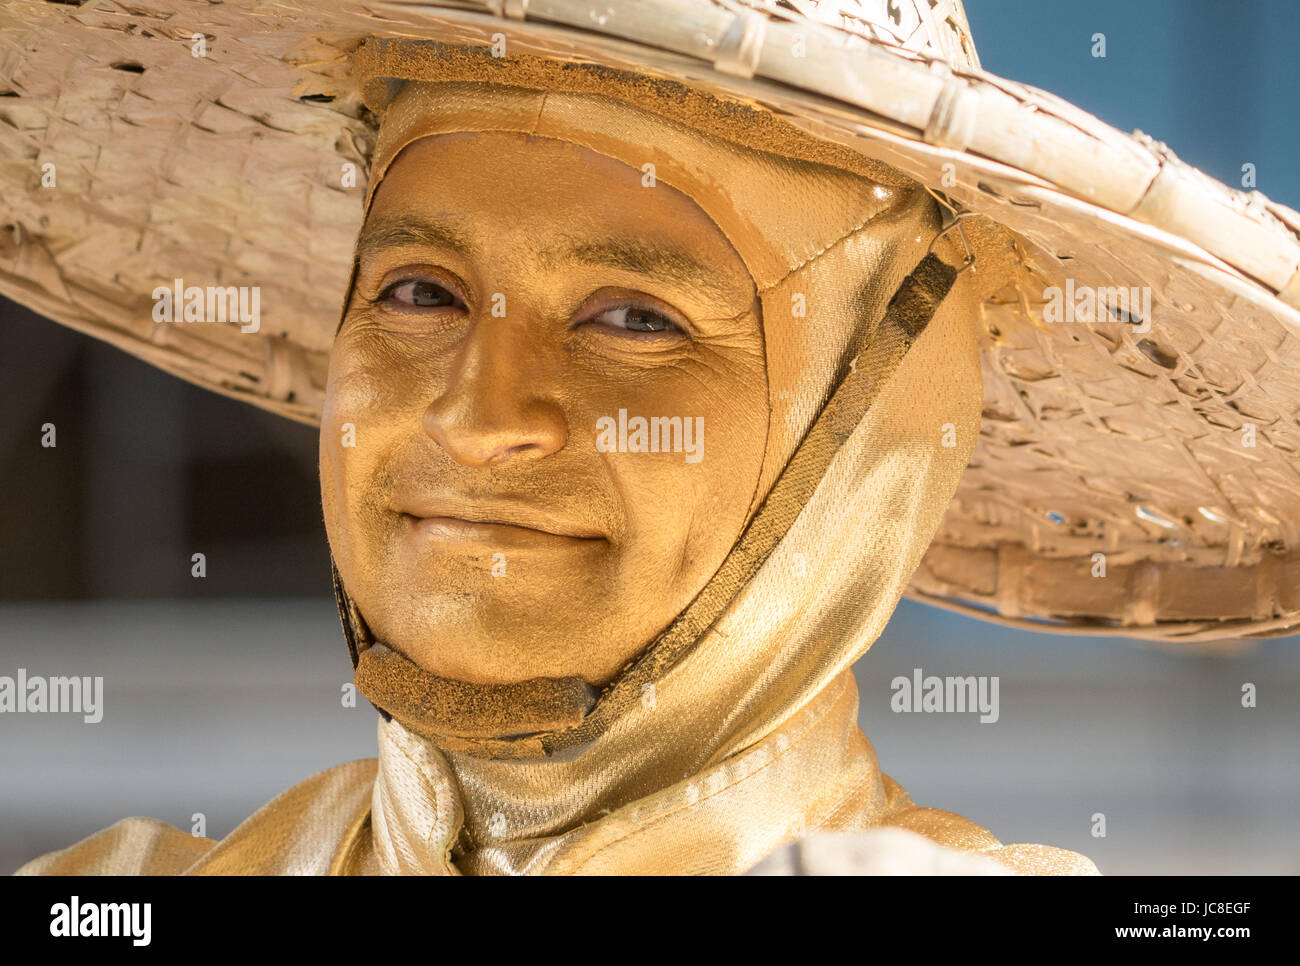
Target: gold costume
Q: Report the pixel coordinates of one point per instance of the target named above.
(734, 733)
(749, 739)
(403, 815)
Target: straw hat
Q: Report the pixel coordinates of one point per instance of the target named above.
(1137, 468)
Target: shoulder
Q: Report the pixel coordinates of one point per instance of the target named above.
(296, 833)
(299, 831)
(955, 832)
(1027, 859)
(890, 850)
(911, 839)
(133, 846)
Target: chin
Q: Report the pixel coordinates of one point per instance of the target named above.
(481, 655)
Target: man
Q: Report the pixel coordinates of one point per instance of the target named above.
(642, 411)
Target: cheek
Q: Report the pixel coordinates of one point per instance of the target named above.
(359, 422)
(374, 372)
(685, 509)
(338, 468)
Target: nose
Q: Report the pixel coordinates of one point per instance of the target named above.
(495, 406)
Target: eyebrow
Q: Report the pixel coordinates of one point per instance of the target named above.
(405, 231)
(665, 262)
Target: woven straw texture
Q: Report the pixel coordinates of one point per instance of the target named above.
(1165, 440)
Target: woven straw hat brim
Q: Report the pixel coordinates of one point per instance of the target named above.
(1165, 441)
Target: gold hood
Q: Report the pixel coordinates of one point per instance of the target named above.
(736, 730)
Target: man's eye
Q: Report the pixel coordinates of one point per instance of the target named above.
(418, 293)
(635, 318)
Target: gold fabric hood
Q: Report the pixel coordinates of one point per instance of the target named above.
(871, 424)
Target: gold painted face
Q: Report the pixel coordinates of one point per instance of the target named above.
(545, 412)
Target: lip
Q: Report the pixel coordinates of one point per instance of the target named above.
(486, 523)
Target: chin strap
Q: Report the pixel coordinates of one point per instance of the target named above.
(451, 708)
(537, 718)
(354, 625)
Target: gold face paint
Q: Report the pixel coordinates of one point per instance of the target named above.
(523, 308)
(823, 249)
